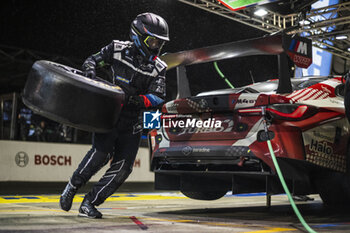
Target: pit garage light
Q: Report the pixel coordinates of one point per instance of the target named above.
(349, 49)
(304, 22)
(341, 37)
(260, 12)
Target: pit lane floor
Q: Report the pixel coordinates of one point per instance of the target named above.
(169, 212)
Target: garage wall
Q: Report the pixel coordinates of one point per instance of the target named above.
(56, 162)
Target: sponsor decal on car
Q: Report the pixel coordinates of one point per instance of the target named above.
(323, 147)
(188, 150)
(320, 147)
(171, 107)
(226, 126)
(322, 136)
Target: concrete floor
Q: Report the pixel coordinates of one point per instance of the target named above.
(168, 212)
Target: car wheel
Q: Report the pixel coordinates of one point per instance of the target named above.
(331, 189)
(347, 98)
(63, 94)
(346, 176)
(207, 196)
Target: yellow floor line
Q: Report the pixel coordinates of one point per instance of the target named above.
(26, 208)
(32, 210)
(79, 198)
(272, 229)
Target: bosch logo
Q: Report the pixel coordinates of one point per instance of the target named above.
(21, 159)
(53, 160)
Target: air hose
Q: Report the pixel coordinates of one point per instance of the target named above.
(280, 176)
(222, 75)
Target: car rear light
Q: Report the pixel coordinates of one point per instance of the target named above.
(282, 111)
(291, 111)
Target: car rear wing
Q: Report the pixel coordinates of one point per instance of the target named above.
(297, 48)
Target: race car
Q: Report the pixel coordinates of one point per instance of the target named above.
(216, 141)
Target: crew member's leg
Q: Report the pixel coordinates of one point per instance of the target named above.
(126, 149)
(93, 161)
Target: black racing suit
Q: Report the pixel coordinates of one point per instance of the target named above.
(144, 86)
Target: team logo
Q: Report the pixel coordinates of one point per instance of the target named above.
(299, 49)
(151, 120)
(298, 46)
(21, 159)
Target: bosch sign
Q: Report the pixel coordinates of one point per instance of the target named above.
(53, 160)
(21, 159)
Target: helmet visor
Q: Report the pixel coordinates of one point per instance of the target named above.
(154, 43)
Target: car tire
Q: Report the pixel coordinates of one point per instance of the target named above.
(331, 188)
(206, 196)
(347, 98)
(61, 93)
(346, 176)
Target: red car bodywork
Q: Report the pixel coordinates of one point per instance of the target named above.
(308, 131)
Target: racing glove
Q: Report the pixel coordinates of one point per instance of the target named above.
(89, 68)
(90, 73)
(135, 101)
(144, 101)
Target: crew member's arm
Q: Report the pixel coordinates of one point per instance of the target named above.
(154, 96)
(99, 59)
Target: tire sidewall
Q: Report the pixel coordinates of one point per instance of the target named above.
(75, 77)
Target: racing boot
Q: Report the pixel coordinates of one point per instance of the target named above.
(67, 196)
(88, 210)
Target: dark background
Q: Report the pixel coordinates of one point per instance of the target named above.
(76, 29)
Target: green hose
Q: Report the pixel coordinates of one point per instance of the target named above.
(280, 176)
(222, 75)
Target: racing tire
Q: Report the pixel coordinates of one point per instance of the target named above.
(61, 93)
(331, 189)
(205, 196)
(346, 176)
(347, 98)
